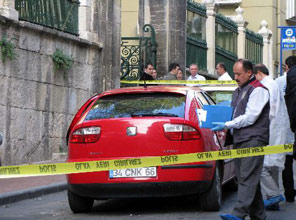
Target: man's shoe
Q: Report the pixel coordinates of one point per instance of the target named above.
(229, 217)
(274, 207)
(288, 199)
(273, 200)
(291, 198)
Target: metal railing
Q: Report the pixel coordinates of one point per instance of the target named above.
(226, 41)
(196, 52)
(136, 52)
(254, 47)
(58, 14)
(228, 58)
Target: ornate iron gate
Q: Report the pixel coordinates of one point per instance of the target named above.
(136, 52)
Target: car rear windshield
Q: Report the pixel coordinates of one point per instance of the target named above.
(138, 105)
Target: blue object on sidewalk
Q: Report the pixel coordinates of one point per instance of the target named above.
(229, 217)
(273, 200)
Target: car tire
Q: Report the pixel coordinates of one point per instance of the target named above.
(232, 185)
(79, 204)
(212, 199)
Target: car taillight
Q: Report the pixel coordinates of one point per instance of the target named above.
(86, 135)
(179, 132)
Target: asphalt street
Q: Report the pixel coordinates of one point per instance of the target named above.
(55, 206)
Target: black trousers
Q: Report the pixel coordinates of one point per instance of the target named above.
(294, 147)
(248, 172)
(288, 181)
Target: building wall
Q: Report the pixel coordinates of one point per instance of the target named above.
(168, 17)
(37, 102)
(273, 11)
(129, 17)
(254, 13)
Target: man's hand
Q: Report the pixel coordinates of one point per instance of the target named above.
(219, 126)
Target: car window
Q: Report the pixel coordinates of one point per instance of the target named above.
(138, 105)
(201, 99)
(209, 99)
(221, 96)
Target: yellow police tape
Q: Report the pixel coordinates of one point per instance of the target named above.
(181, 82)
(105, 165)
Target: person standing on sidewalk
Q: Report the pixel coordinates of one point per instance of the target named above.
(250, 128)
(193, 69)
(173, 70)
(273, 163)
(147, 74)
(221, 71)
(290, 98)
(287, 174)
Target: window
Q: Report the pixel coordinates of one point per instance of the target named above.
(201, 99)
(221, 96)
(138, 105)
(208, 98)
(196, 26)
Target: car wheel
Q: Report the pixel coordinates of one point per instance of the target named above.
(79, 204)
(212, 199)
(232, 185)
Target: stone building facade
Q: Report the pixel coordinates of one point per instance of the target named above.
(169, 21)
(37, 102)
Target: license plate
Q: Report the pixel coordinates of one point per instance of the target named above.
(133, 172)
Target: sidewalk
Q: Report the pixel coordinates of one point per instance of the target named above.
(15, 189)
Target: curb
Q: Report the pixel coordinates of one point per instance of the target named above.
(11, 197)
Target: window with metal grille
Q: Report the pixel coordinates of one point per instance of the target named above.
(58, 14)
(254, 46)
(196, 44)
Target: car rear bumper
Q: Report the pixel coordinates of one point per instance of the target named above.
(136, 190)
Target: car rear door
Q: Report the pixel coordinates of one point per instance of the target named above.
(221, 136)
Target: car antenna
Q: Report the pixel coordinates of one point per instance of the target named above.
(145, 85)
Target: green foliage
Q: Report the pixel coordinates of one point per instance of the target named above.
(7, 49)
(61, 149)
(61, 61)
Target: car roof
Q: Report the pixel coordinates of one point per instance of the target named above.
(219, 88)
(141, 89)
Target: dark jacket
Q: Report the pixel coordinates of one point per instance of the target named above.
(146, 76)
(290, 97)
(260, 129)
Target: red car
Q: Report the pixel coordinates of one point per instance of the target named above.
(143, 122)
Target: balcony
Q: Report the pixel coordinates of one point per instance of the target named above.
(228, 2)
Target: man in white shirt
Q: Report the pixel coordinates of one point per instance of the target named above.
(250, 128)
(274, 163)
(221, 71)
(193, 69)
